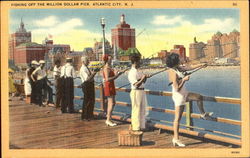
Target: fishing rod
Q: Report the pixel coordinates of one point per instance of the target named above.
(210, 55)
(100, 83)
(185, 73)
(151, 55)
(95, 70)
(197, 69)
(151, 75)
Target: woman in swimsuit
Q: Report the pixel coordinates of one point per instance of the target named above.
(180, 95)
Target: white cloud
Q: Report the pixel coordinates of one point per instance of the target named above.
(208, 25)
(216, 25)
(60, 27)
(166, 20)
(47, 22)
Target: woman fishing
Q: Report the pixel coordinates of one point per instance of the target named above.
(109, 86)
(180, 95)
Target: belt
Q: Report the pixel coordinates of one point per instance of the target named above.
(139, 89)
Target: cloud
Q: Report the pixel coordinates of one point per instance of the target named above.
(59, 27)
(216, 25)
(166, 20)
(47, 22)
(208, 25)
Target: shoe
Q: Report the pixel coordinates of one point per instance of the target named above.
(177, 142)
(51, 105)
(207, 116)
(109, 123)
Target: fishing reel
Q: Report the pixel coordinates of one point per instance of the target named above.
(185, 73)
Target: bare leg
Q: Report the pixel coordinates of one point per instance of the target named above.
(111, 103)
(178, 113)
(198, 98)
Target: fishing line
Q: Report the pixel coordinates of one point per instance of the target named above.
(151, 75)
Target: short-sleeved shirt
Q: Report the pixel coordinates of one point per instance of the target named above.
(40, 73)
(68, 71)
(84, 73)
(133, 76)
(56, 71)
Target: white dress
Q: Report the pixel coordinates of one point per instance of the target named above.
(27, 85)
(179, 97)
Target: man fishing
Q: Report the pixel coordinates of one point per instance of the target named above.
(88, 89)
(137, 94)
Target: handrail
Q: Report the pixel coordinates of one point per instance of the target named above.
(205, 98)
(170, 111)
(188, 114)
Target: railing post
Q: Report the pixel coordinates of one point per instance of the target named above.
(189, 111)
(102, 98)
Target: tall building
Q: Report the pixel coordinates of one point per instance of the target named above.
(26, 52)
(196, 50)
(181, 50)
(97, 49)
(22, 50)
(55, 52)
(17, 38)
(123, 36)
(163, 54)
(219, 46)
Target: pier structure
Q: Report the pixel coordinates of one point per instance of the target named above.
(33, 127)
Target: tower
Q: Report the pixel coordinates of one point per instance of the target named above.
(123, 36)
(17, 38)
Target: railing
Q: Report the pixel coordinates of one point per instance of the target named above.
(188, 114)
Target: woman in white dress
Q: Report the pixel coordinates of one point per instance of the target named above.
(180, 95)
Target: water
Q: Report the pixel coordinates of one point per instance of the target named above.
(223, 82)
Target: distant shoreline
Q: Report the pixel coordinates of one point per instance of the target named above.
(208, 67)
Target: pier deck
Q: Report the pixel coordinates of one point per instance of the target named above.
(33, 127)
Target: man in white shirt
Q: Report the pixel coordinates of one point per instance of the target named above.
(67, 76)
(88, 89)
(29, 84)
(137, 94)
(58, 85)
(38, 76)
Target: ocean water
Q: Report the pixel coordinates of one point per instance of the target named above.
(220, 81)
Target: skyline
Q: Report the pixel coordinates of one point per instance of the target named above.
(158, 29)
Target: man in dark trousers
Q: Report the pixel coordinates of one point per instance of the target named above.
(88, 89)
(67, 76)
(34, 65)
(58, 84)
(38, 76)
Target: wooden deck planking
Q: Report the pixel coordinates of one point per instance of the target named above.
(33, 127)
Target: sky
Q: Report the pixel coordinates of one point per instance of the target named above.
(156, 29)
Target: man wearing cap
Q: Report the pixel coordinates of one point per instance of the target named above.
(41, 75)
(29, 84)
(88, 89)
(67, 76)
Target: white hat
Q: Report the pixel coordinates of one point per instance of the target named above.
(34, 62)
(68, 59)
(41, 62)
